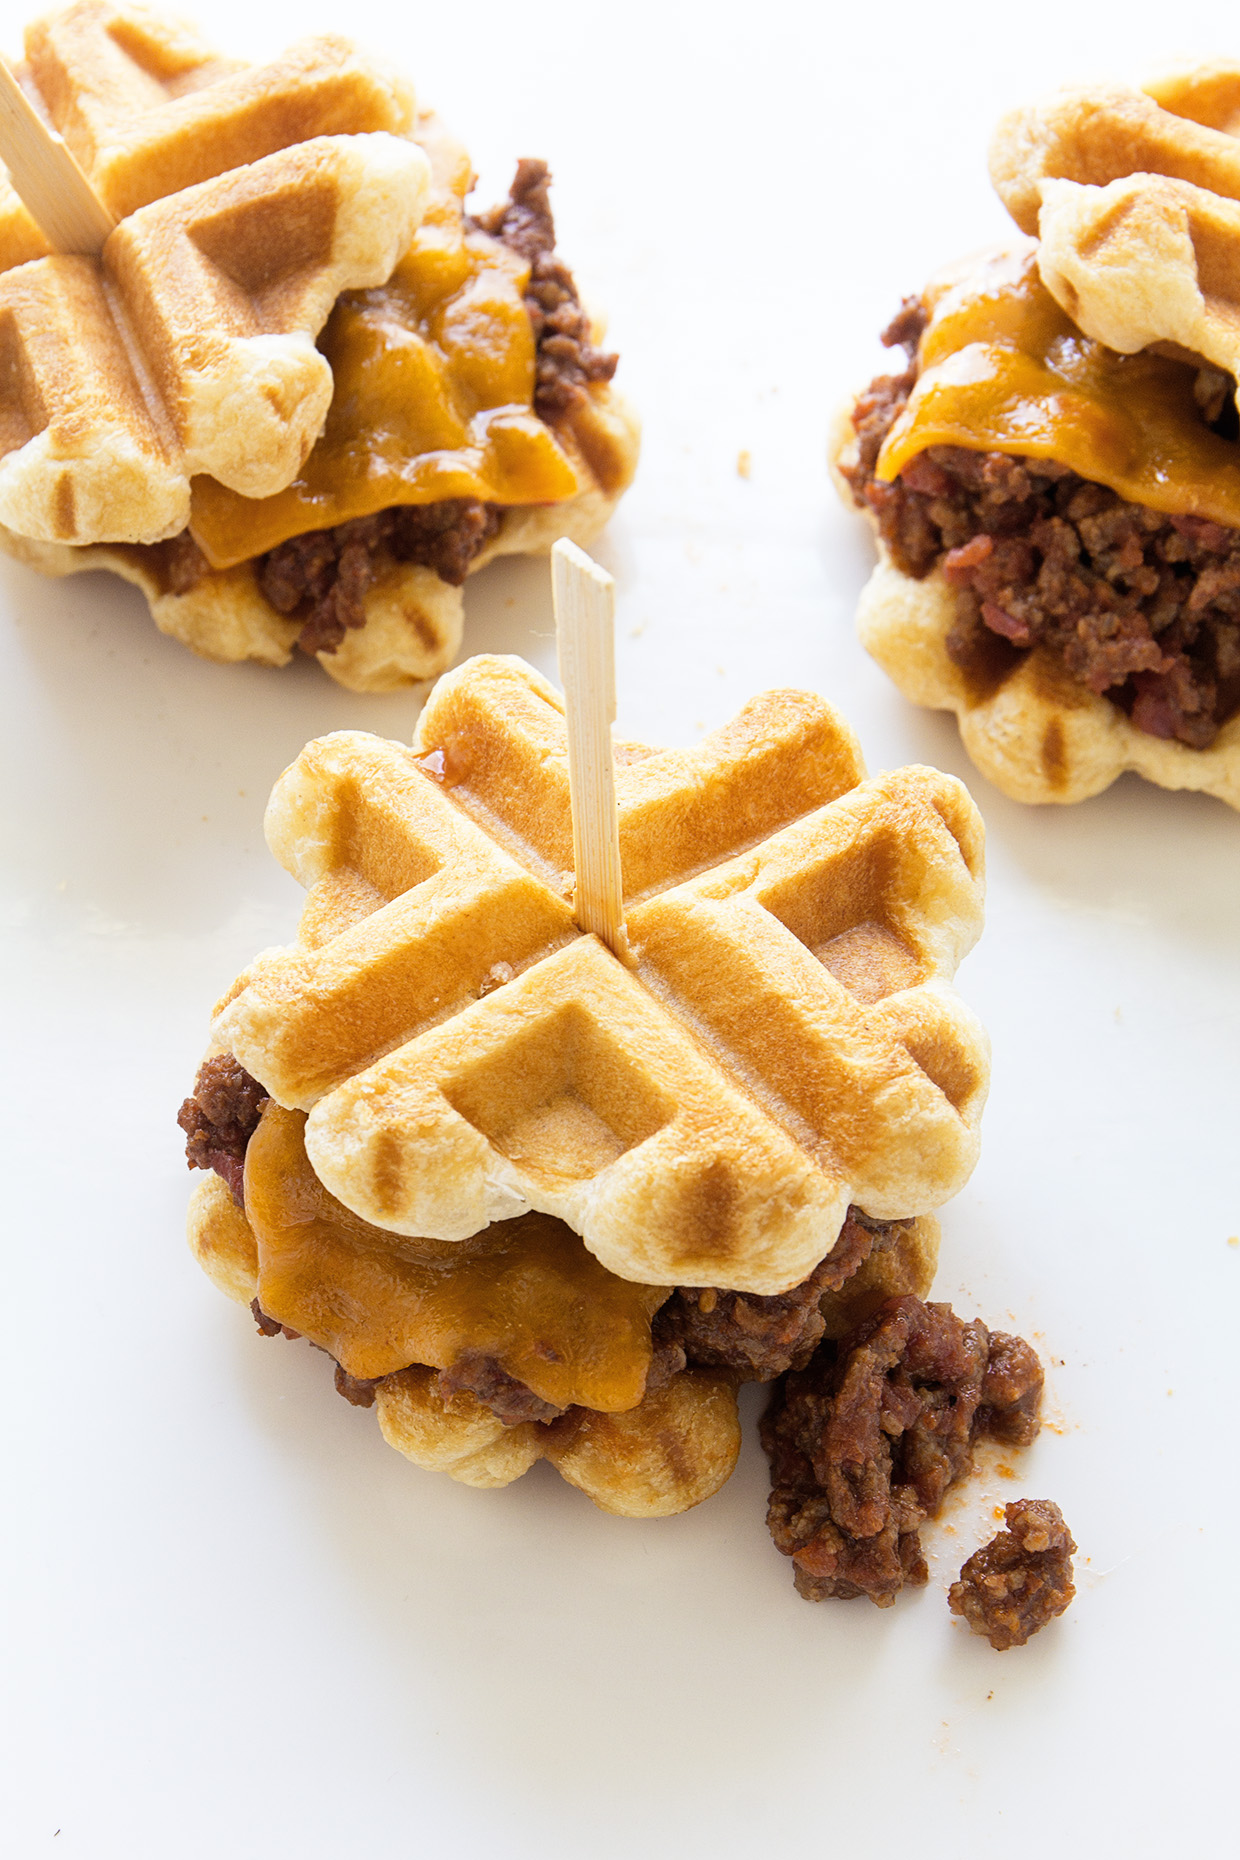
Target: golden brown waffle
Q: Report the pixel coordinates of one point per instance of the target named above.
(786, 1043)
(1135, 195)
(216, 294)
(664, 1456)
(147, 106)
(1093, 135)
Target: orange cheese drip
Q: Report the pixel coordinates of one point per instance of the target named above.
(434, 392)
(1003, 369)
(524, 1291)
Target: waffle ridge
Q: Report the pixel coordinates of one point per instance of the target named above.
(190, 347)
(1135, 197)
(149, 108)
(785, 1043)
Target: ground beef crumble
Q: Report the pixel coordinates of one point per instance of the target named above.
(762, 1337)
(1021, 1579)
(220, 1118)
(510, 1401)
(272, 1327)
(566, 362)
(1140, 607)
(178, 564)
(358, 1391)
(866, 1440)
(322, 577)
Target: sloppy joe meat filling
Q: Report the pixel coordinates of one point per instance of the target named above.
(1140, 607)
(1021, 1579)
(866, 1441)
(866, 1433)
(758, 1338)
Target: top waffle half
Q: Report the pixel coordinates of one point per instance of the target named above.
(1135, 195)
(785, 1041)
(248, 199)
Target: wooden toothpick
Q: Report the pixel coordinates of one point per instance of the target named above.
(70, 214)
(585, 598)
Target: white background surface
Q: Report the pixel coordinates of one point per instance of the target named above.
(239, 1624)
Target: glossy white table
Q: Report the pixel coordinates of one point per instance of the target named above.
(242, 1626)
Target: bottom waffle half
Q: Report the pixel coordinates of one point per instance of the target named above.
(413, 618)
(661, 1453)
(1036, 733)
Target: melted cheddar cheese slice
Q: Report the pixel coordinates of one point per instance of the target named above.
(524, 1291)
(1004, 369)
(433, 396)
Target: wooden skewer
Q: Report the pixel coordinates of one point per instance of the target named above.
(585, 598)
(70, 214)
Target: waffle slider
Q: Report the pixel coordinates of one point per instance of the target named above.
(167, 414)
(537, 1201)
(1055, 477)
